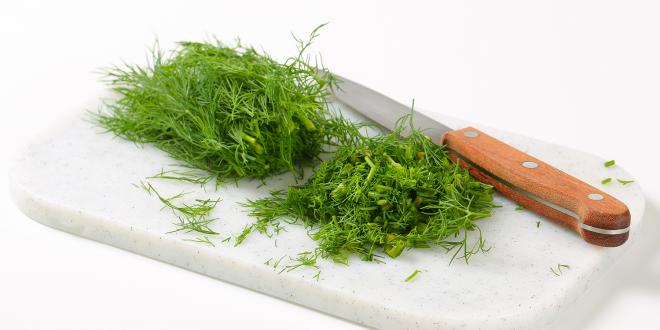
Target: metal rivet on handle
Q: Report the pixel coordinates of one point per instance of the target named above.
(595, 197)
(529, 164)
(471, 134)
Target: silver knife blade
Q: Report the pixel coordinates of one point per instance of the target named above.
(384, 110)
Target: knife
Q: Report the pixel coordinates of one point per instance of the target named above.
(597, 217)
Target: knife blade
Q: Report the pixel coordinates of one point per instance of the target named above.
(597, 217)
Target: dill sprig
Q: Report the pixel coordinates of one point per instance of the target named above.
(384, 193)
(203, 240)
(192, 217)
(229, 110)
(413, 275)
(558, 271)
(187, 176)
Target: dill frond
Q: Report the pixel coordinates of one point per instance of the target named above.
(231, 111)
(383, 194)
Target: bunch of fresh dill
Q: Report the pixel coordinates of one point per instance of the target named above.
(385, 192)
(231, 111)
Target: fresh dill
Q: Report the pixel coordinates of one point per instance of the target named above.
(609, 163)
(625, 182)
(317, 276)
(199, 224)
(192, 217)
(384, 193)
(520, 208)
(231, 111)
(606, 181)
(200, 208)
(204, 240)
(188, 176)
(413, 275)
(304, 259)
(558, 270)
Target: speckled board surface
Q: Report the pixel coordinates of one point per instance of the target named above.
(75, 179)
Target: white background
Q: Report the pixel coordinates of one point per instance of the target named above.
(585, 74)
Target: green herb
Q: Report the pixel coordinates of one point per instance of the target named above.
(197, 224)
(413, 275)
(558, 271)
(538, 224)
(625, 182)
(304, 259)
(383, 193)
(606, 181)
(188, 176)
(192, 217)
(609, 163)
(204, 240)
(520, 208)
(317, 277)
(228, 110)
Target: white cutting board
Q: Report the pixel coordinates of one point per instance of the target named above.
(75, 179)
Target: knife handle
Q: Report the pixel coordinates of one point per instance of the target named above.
(598, 217)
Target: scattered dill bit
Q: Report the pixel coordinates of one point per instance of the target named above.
(304, 259)
(192, 217)
(413, 275)
(384, 193)
(200, 208)
(231, 111)
(188, 176)
(538, 224)
(267, 263)
(226, 240)
(609, 163)
(520, 208)
(317, 276)
(204, 240)
(144, 186)
(558, 271)
(625, 182)
(244, 234)
(277, 263)
(606, 181)
(194, 224)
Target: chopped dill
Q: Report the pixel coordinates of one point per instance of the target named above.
(201, 207)
(606, 181)
(384, 193)
(204, 240)
(413, 275)
(277, 263)
(192, 217)
(520, 208)
(188, 176)
(199, 224)
(538, 224)
(609, 163)
(558, 271)
(304, 259)
(244, 234)
(147, 188)
(231, 111)
(317, 276)
(625, 182)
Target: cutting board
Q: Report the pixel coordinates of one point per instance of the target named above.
(77, 179)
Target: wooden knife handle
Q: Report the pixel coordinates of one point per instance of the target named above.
(598, 217)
